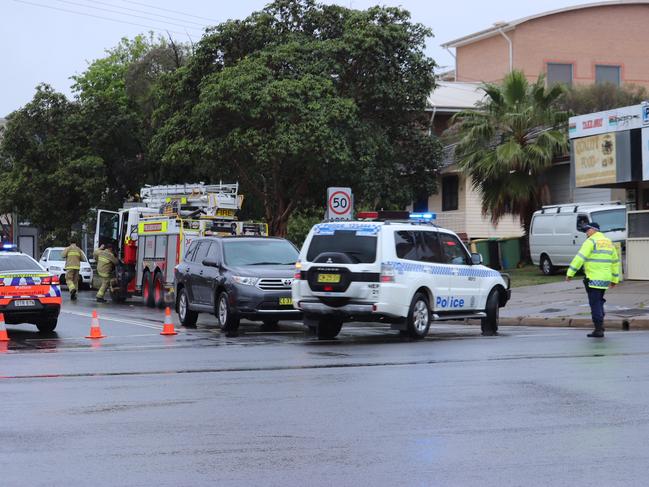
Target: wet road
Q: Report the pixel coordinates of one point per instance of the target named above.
(536, 406)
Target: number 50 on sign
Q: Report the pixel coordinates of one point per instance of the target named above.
(340, 204)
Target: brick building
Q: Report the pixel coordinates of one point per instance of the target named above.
(600, 42)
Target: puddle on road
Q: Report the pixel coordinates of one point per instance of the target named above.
(329, 354)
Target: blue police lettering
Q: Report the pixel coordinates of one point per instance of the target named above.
(449, 302)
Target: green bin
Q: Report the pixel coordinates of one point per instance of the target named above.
(510, 252)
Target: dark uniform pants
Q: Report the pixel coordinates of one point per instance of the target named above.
(596, 301)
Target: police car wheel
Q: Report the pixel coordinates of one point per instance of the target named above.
(419, 317)
(47, 326)
(489, 325)
(187, 317)
(328, 328)
(546, 266)
(310, 324)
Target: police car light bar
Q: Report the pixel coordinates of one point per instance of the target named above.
(7, 246)
(428, 216)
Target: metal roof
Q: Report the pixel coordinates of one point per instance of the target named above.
(455, 96)
(507, 26)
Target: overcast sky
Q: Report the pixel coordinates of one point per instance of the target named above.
(49, 40)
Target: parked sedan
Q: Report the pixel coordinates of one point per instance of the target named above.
(234, 278)
(53, 262)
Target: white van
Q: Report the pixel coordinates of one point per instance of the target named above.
(556, 236)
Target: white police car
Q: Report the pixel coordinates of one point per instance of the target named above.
(406, 272)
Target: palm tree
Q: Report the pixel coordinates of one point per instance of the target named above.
(509, 142)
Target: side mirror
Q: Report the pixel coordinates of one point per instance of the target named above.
(210, 263)
(476, 259)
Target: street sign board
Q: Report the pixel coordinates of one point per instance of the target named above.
(340, 204)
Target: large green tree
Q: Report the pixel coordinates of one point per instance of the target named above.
(510, 142)
(61, 158)
(116, 96)
(49, 173)
(300, 96)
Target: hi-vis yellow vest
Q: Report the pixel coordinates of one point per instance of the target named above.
(600, 260)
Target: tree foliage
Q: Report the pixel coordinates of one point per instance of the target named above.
(51, 176)
(61, 158)
(290, 100)
(507, 145)
(582, 99)
(300, 96)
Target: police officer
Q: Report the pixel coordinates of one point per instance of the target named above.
(106, 263)
(602, 267)
(72, 256)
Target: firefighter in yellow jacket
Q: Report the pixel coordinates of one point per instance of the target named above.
(106, 262)
(72, 256)
(602, 267)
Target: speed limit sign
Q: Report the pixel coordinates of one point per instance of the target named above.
(340, 203)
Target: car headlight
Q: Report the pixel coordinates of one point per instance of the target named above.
(55, 268)
(246, 281)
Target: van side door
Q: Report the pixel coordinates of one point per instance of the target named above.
(564, 237)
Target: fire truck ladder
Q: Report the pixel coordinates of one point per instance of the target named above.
(207, 197)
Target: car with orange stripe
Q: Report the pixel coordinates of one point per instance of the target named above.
(28, 293)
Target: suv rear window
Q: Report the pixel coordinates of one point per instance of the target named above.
(18, 263)
(361, 248)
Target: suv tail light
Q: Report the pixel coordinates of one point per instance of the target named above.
(387, 273)
(298, 271)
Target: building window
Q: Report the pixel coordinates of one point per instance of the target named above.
(450, 186)
(559, 73)
(420, 204)
(607, 74)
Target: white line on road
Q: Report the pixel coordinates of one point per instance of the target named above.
(119, 320)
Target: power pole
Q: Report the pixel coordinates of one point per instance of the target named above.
(15, 229)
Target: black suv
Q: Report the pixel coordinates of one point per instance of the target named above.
(234, 278)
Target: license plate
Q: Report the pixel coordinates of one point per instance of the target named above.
(329, 278)
(25, 303)
(286, 301)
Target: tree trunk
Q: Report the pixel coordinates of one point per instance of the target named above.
(278, 225)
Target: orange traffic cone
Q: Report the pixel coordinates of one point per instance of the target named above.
(95, 330)
(3, 329)
(168, 328)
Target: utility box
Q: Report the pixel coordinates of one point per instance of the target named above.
(637, 245)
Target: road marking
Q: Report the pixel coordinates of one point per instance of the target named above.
(119, 320)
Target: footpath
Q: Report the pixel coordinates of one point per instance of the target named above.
(566, 304)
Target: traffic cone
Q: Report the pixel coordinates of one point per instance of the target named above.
(95, 330)
(3, 329)
(168, 328)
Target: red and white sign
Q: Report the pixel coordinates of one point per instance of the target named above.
(616, 120)
(340, 204)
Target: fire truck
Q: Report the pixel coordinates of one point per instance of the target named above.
(150, 237)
